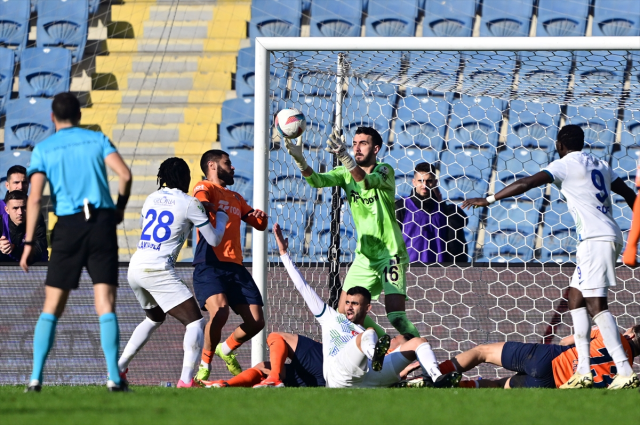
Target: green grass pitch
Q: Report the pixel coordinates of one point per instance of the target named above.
(155, 405)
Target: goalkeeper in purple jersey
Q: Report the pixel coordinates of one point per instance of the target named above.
(381, 254)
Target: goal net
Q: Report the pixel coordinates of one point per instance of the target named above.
(483, 118)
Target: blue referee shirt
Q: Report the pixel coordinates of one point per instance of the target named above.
(73, 161)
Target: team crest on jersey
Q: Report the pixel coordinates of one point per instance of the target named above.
(164, 201)
(384, 170)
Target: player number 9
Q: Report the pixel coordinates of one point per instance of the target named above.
(598, 181)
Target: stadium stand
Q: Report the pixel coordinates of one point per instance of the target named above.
(335, 18)
(28, 122)
(452, 18)
(562, 19)
(533, 126)
(14, 25)
(7, 64)
(236, 127)
(397, 19)
(544, 77)
(45, 71)
(506, 18)
(321, 234)
(275, 18)
(616, 18)
(599, 126)
(63, 23)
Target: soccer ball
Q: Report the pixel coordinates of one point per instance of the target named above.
(290, 123)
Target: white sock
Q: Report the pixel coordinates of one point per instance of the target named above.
(192, 344)
(611, 336)
(138, 339)
(582, 337)
(427, 360)
(368, 343)
(225, 349)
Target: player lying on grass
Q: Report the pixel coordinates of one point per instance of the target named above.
(381, 254)
(543, 365)
(167, 218)
(305, 369)
(353, 356)
(586, 182)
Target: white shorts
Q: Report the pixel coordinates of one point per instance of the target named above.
(596, 267)
(394, 363)
(158, 288)
(347, 368)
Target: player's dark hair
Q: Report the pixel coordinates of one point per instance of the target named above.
(66, 107)
(572, 137)
(15, 195)
(174, 173)
(408, 336)
(214, 155)
(370, 131)
(425, 167)
(16, 169)
(359, 290)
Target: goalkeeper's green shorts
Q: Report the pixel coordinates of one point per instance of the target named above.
(385, 275)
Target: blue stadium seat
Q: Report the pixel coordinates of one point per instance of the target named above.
(292, 217)
(336, 18)
(242, 161)
(7, 59)
(245, 75)
(391, 19)
(14, 25)
(236, 127)
(28, 122)
(489, 73)
(599, 78)
(616, 18)
(275, 18)
(7, 160)
(433, 71)
(422, 121)
(624, 162)
(319, 112)
(34, 5)
(558, 232)
(286, 182)
(506, 18)
(453, 18)
(93, 6)
(562, 19)
(622, 214)
(369, 111)
(631, 128)
(63, 23)
(321, 234)
(544, 76)
(383, 66)
(45, 71)
(507, 241)
(599, 126)
(533, 125)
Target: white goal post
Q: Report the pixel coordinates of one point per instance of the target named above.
(264, 47)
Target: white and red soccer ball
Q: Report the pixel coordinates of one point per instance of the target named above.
(290, 123)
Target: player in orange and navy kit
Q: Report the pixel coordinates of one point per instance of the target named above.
(220, 280)
(543, 365)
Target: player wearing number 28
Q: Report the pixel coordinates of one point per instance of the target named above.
(381, 254)
(586, 182)
(167, 218)
(220, 280)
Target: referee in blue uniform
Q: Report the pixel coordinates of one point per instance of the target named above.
(73, 160)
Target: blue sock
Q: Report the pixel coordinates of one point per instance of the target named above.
(43, 337)
(110, 339)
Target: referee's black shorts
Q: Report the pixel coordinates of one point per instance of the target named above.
(76, 243)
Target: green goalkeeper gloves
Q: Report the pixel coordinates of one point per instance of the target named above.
(337, 145)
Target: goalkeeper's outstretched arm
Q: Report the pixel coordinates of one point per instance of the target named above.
(315, 180)
(315, 303)
(516, 188)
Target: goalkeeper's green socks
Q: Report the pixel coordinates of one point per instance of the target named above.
(402, 324)
(370, 323)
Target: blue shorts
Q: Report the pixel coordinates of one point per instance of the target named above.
(305, 369)
(230, 279)
(533, 362)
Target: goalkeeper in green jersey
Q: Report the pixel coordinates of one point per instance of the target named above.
(381, 254)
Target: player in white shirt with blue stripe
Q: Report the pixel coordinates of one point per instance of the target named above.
(586, 182)
(168, 215)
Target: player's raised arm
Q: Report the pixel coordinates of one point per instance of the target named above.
(315, 180)
(514, 189)
(315, 303)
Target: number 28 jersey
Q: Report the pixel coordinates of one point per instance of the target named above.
(585, 182)
(167, 218)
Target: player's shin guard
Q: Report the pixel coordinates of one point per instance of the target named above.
(402, 324)
(110, 340)
(138, 339)
(43, 338)
(370, 323)
(581, 335)
(427, 360)
(611, 336)
(192, 345)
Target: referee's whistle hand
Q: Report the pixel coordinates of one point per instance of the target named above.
(26, 253)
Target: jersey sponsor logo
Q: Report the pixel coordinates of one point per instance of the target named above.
(229, 209)
(164, 201)
(355, 197)
(149, 245)
(199, 187)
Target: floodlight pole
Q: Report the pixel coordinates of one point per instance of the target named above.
(262, 134)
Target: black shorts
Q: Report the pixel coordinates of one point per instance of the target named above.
(76, 243)
(533, 362)
(231, 279)
(305, 369)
